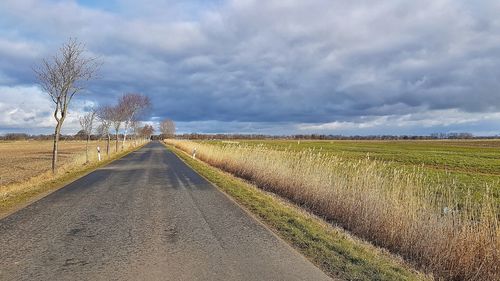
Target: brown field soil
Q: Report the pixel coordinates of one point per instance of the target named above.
(21, 160)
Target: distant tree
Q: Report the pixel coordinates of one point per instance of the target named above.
(147, 131)
(135, 129)
(132, 105)
(16, 136)
(105, 116)
(87, 122)
(117, 117)
(62, 77)
(167, 129)
(80, 135)
(465, 136)
(100, 131)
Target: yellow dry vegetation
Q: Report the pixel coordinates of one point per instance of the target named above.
(21, 160)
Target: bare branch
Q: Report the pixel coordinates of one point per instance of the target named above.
(104, 114)
(167, 128)
(132, 105)
(87, 122)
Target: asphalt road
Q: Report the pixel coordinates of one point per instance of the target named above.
(147, 216)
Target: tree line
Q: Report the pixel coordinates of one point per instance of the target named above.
(164, 135)
(123, 115)
(79, 136)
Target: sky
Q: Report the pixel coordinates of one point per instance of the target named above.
(272, 67)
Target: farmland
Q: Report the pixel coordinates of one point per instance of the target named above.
(467, 165)
(433, 202)
(21, 160)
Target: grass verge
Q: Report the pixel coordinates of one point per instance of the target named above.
(330, 248)
(12, 200)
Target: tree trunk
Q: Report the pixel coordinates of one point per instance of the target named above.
(107, 145)
(124, 136)
(116, 149)
(87, 149)
(54, 150)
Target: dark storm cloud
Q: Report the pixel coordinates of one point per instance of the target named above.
(272, 62)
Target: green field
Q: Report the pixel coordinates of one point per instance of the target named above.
(469, 165)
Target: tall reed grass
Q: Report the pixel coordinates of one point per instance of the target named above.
(454, 238)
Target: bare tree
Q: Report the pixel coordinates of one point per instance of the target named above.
(147, 131)
(87, 122)
(101, 131)
(132, 105)
(62, 77)
(117, 117)
(104, 113)
(167, 128)
(135, 129)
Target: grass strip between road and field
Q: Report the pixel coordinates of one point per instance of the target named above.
(13, 201)
(332, 249)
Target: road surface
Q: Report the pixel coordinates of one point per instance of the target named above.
(146, 216)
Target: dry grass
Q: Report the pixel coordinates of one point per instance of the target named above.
(25, 167)
(21, 160)
(390, 207)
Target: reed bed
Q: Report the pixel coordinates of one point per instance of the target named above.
(452, 237)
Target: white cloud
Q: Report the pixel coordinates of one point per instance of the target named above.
(446, 120)
(24, 106)
(29, 109)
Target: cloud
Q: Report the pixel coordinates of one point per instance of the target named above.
(449, 120)
(276, 66)
(24, 107)
(27, 108)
